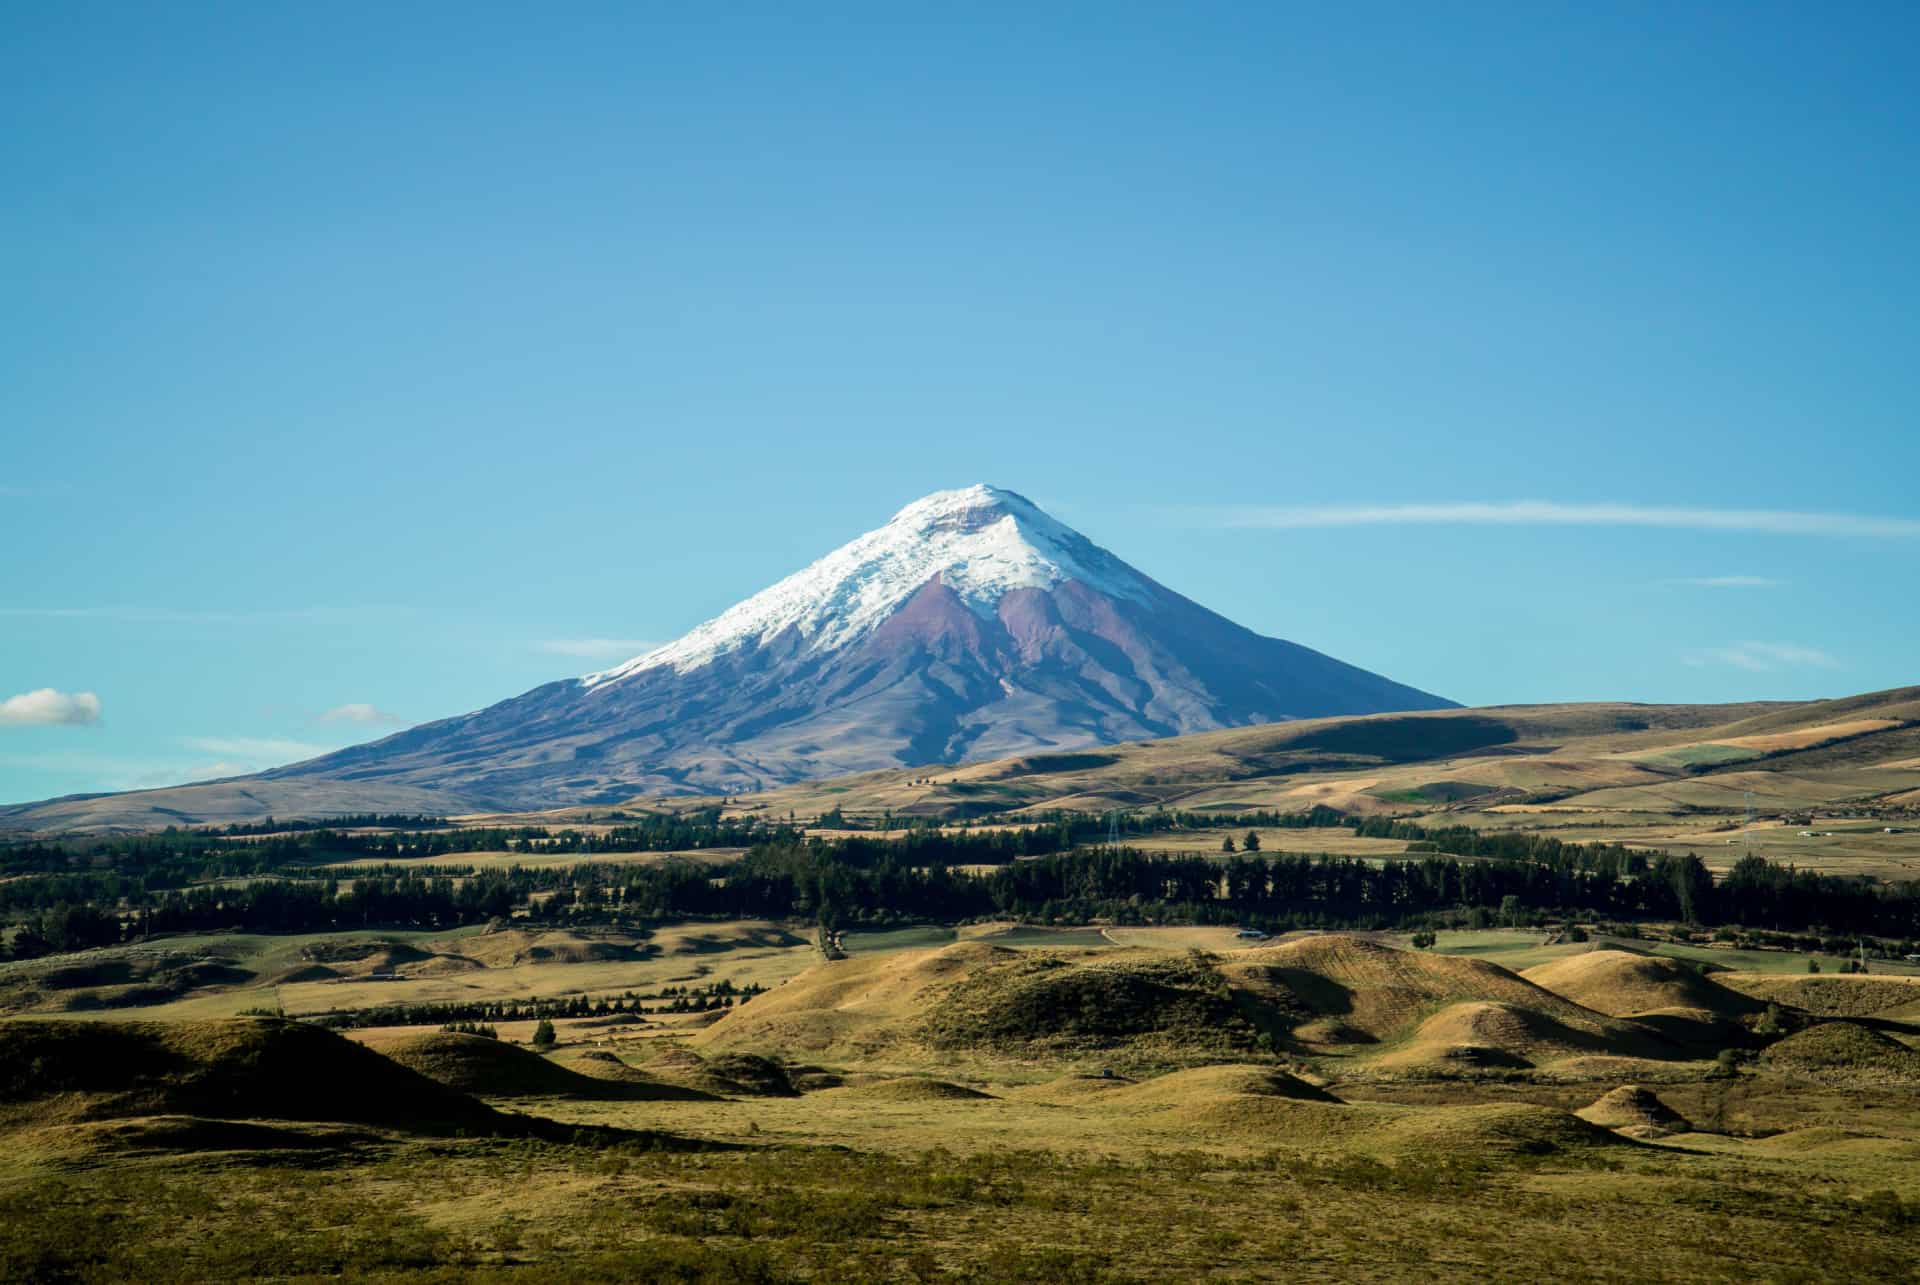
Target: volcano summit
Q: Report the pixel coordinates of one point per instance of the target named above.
(973, 625)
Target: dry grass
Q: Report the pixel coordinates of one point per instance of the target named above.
(1602, 759)
(987, 1168)
(492, 1068)
(1636, 1112)
(1621, 984)
(1843, 1052)
(1828, 996)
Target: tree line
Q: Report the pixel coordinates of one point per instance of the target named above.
(1033, 874)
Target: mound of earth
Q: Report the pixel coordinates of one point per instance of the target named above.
(1174, 1005)
(122, 980)
(1477, 1130)
(1620, 983)
(498, 948)
(913, 1088)
(1831, 996)
(575, 948)
(186, 1133)
(1387, 1131)
(306, 973)
(856, 1005)
(478, 1065)
(726, 1074)
(1140, 1006)
(705, 939)
(370, 956)
(242, 1068)
(1338, 991)
(1636, 1112)
(1196, 1086)
(601, 1065)
(1700, 1030)
(1272, 1121)
(1843, 1052)
(1480, 1034)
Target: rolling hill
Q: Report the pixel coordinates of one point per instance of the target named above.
(1518, 760)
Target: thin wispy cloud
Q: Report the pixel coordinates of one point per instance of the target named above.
(1726, 582)
(218, 770)
(595, 648)
(1550, 513)
(360, 712)
(1764, 657)
(263, 751)
(49, 708)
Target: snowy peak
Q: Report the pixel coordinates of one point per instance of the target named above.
(981, 541)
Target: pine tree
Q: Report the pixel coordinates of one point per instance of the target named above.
(543, 1036)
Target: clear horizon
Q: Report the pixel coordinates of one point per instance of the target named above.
(369, 367)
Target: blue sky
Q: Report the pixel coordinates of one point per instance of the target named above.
(368, 364)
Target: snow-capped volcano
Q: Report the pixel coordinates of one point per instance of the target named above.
(971, 626)
(980, 541)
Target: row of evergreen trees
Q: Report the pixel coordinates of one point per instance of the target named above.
(930, 876)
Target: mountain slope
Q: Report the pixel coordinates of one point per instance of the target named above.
(971, 626)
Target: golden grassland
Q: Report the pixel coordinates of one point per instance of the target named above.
(1130, 1149)
(1605, 767)
(1023, 1102)
(308, 975)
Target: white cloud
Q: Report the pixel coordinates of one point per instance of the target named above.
(1550, 513)
(47, 707)
(596, 648)
(1726, 582)
(1764, 657)
(359, 712)
(260, 751)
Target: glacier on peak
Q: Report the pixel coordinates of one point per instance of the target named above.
(980, 540)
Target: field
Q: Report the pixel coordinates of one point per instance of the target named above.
(920, 1112)
(1050, 1089)
(1620, 764)
(1519, 949)
(309, 975)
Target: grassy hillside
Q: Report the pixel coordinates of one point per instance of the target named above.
(976, 1112)
(248, 1068)
(1661, 758)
